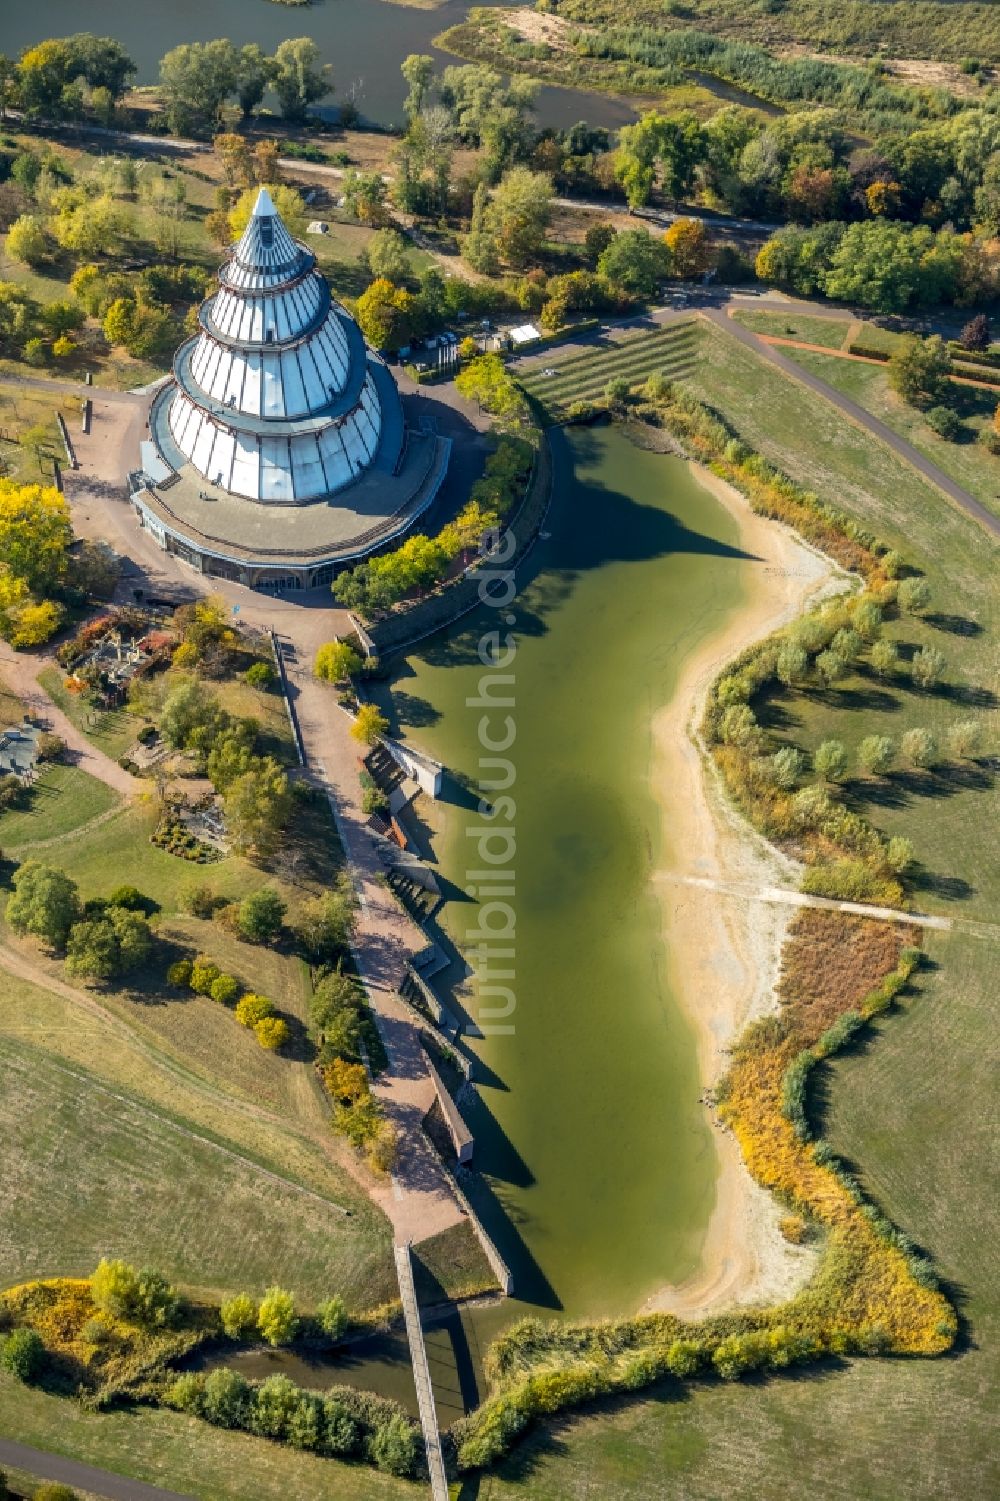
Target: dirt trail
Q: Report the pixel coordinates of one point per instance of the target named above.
(724, 955)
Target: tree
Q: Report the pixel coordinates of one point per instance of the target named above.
(140, 1297)
(519, 214)
(919, 370)
(262, 913)
(385, 314)
(336, 662)
(899, 854)
(196, 79)
(792, 665)
(253, 1008)
(876, 753)
(44, 902)
(276, 1317)
(418, 70)
(106, 947)
(388, 255)
(831, 667)
(976, 333)
(22, 1353)
(479, 247)
(299, 78)
(204, 973)
(331, 1315)
(260, 675)
(847, 644)
(866, 616)
(596, 241)
(927, 666)
(26, 241)
(830, 760)
(884, 658)
(257, 806)
(225, 989)
(35, 534)
(394, 1445)
(226, 1399)
(946, 422)
(238, 1315)
(254, 71)
(616, 391)
(271, 1032)
(920, 748)
(274, 1405)
(634, 262)
(325, 923)
(913, 595)
(690, 252)
(787, 766)
(965, 739)
(364, 195)
(369, 725)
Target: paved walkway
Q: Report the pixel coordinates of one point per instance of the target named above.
(20, 674)
(83, 1477)
(419, 1201)
(857, 414)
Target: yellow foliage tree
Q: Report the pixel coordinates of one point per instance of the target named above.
(370, 725)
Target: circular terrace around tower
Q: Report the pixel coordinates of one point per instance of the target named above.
(278, 450)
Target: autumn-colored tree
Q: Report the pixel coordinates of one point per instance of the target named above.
(271, 1032)
(883, 199)
(369, 725)
(336, 661)
(347, 1082)
(690, 253)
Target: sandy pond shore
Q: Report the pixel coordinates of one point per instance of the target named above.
(723, 952)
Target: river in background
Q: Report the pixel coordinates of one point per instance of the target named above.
(364, 40)
(595, 1158)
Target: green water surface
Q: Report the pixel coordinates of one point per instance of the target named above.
(597, 1160)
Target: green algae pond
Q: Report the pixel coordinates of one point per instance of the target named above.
(596, 1165)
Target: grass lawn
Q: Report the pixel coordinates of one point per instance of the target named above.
(20, 410)
(830, 332)
(909, 1106)
(11, 708)
(968, 462)
(83, 1156)
(113, 730)
(187, 1455)
(62, 799)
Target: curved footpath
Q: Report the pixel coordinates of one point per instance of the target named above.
(860, 417)
(83, 1477)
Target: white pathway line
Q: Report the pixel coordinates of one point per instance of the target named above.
(790, 898)
(421, 1373)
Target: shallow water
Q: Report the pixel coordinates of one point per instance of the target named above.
(596, 1159)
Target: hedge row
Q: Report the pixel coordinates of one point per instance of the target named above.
(974, 356)
(987, 377)
(867, 352)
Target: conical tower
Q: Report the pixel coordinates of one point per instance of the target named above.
(276, 398)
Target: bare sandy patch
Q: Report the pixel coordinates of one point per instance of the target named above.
(538, 28)
(724, 952)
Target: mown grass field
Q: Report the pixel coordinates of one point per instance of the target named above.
(584, 376)
(830, 332)
(22, 410)
(61, 800)
(967, 461)
(911, 1106)
(187, 1455)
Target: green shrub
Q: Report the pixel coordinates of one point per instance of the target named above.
(227, 1399)
(179, 974)
(341, 1431)
(393, 1446)
(131, 898)
(203, 975)
(187, 1393)
(23, 1354)
(225, 990)
(331, 1315)
(239, 1316)
(274, 1402)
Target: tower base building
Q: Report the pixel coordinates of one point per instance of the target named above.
(278, 450)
